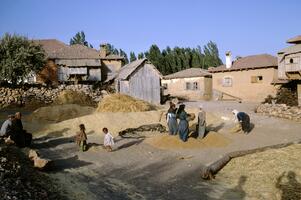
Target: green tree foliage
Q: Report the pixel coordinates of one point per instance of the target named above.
(123, 54)
(173, 60)
(211, 55)
(80, 38)
(19, 57)
(112, 50)
(140, 55)
(132, 56)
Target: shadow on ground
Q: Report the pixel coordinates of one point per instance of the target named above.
(66, 163)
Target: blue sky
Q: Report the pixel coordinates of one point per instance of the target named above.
(245, 27)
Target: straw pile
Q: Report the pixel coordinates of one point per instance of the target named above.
(213, 139)
(272, 174)
(60, 113)
(123, 103)
(73, 97)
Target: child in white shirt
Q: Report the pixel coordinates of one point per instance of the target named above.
(108, 141)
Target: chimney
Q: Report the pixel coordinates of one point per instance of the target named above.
(228, 60)
(103, 50)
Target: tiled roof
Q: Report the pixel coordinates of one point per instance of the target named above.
(294, 40)
(188, 73)
(60, 50)
(248, 62)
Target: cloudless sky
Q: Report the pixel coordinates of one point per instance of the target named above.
(245, 27)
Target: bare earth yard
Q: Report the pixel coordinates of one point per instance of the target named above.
(158, 166)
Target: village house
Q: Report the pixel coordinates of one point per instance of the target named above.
(251, 78)
(289, 63)
(74, 63)
(190, 84)
(140, 79)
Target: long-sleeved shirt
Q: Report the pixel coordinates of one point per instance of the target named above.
(108, 140)
(6, 127)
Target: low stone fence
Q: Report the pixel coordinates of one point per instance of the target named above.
(19, 96)
(281, 111)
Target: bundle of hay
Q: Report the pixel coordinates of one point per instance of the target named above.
(123, 103)
(73, 97)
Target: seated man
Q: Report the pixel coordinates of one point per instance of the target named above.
(5, 130)
(19, 135)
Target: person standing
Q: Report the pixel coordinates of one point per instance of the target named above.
(81, 138)
(183, 128)
(5, 130)
(108, 141)
(172, 119)
(201, 123)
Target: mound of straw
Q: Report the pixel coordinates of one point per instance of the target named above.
(272, 174)
(212, 139)
(60, 113)
(73, 97)
(123, 103)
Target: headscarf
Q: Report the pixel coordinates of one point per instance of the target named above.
(235, 112)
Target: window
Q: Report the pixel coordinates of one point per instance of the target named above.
(188, 86)
(165, 85)
(291, 60)
(256, 79)
(195, 86)
(227, 82)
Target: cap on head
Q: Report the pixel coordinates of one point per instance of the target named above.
(201, 106)
(234, 111)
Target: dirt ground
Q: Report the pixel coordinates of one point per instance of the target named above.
(140, 169)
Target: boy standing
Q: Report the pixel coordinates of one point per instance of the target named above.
(81, 138)
(108, 141)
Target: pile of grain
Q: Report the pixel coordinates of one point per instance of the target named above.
(60, 113)
(123, 103)
(73, 97)
(212, 139)
(272, 174)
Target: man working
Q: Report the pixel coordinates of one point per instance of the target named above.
(243, 121)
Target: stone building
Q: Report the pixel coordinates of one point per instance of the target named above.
(250, 78)
(76, 63)
(140, 79)
(190, 84)
(289, 63)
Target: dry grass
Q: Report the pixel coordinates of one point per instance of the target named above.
(272, 174)
(123, 103)
(212, 139)
(60, 113)
(73, 97)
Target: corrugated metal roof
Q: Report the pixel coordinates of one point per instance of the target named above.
(249, 62)
(127, 70)
(188, 73)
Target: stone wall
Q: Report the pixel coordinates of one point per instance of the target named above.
(19, 96)
(281, 111)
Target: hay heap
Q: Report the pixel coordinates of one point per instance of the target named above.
(59, 113)
(73, 97)
(212, 139)
(123, 103)
(272, 174)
